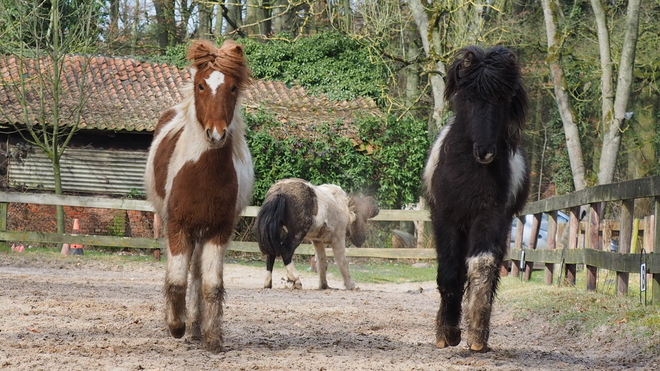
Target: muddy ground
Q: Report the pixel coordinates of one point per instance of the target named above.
(85, 314)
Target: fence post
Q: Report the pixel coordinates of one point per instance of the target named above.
(552, 243)
(593, 242)
(573, 230)
(655, 285)
(3, 223)
(515, 269)
(533, 238)
(625, 241)
(156, 235)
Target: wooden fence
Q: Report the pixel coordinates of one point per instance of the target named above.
(157, 244)
(594, 231)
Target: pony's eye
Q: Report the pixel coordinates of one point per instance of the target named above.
(201, 87)
(233, 89)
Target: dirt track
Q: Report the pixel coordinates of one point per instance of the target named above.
(82, 314)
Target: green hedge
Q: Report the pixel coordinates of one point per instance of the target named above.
(385, 160)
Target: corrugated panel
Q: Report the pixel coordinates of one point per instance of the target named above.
(83, 170)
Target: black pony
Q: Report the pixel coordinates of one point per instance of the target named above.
(476, 179)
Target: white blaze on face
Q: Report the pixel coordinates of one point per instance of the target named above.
(215, 79)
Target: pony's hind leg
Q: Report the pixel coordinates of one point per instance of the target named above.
(322, 264)
(291, 272)
(451, 282)
(339, 250)
(483, 278)
(179, 251)
(270, 262)
(212, 292)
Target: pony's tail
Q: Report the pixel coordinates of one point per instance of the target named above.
(269, 225)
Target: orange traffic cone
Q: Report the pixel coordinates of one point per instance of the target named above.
(65, 249)
(76, 249)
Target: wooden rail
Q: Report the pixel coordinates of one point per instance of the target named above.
(158, 244)
(592, 202)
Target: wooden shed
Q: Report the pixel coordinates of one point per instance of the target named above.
(124, 99)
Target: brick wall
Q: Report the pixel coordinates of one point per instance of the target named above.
(97, 221)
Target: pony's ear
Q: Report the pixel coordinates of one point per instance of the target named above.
(464, 60)
(200, 52)
(230, 47)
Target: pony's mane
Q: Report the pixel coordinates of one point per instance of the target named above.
(491, 75)
(488, 74)
(228, 59)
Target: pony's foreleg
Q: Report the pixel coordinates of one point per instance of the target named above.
(291, 272)
(195, 295)
(339, 250)
(322, 264)
(451, 281)
(270, 262)
(212, 292)
(487, 248)
(483, 277)
(179, 251)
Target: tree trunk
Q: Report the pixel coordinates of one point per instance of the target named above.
(114, 20)
(435, 76)
(234, 16)
(252, 18)
(165, 20)
(561, 95)
(279, 16)
(217, 30)
(205, 11)
(614, 126)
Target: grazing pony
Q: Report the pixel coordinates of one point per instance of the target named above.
(295, 209)
(199, 178)
(476, 179)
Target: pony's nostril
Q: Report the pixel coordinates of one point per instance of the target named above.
(208, 134)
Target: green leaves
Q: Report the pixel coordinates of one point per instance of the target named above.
(386, 160)
(329, 63)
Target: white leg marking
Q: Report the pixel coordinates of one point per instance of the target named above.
(268, 283)
(177, 269)
(293, 276)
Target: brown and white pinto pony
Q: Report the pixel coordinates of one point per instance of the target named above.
(199, 178)
(295, 209)
(476, 179)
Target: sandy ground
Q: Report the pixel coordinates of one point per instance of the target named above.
(82, 314)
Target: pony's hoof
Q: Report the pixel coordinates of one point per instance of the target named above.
(324, 286)
(297, 285)
(448, 336)
(177, 332)
(478, 347)
(214, 346)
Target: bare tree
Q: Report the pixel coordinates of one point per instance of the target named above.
(555, 39)
(50, 97)
(613, 108)
(614, 111)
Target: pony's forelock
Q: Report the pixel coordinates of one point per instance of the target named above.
(228, 59)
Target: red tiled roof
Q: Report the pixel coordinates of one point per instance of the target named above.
(125, 94)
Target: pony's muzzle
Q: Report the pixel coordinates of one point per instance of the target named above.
(484, 154)
(216, 138)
